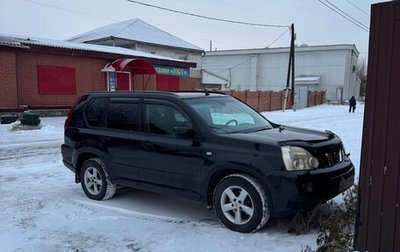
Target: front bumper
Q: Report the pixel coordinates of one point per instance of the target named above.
(293, 192)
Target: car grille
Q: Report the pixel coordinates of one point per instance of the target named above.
(330, 157)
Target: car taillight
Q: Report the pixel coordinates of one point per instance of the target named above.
(66, 124)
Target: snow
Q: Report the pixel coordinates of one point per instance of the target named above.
(42, 209)
(135, 30)
(21, 41)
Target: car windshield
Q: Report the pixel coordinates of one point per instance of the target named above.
(228, 115)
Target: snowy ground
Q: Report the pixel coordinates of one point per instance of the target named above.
(42, 209)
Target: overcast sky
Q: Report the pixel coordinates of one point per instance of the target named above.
(315, 24)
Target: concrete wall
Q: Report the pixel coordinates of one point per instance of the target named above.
(267, 69)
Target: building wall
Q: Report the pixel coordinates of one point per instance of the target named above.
(87, 72)
(237, 68)
(352, 83)
(8, 79)
(19, 78)
(173, 53)
(267, 69)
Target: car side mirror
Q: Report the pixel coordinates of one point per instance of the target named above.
(183, 131)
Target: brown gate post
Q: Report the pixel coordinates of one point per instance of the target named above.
(378, 220)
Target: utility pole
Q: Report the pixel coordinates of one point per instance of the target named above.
(292, 55)
(290, 71)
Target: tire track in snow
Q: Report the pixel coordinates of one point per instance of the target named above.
(33, 149)
(153, 217)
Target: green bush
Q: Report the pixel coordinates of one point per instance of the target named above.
(7, 119)
(30, 116)
(30, 121)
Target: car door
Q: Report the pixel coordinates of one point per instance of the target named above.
(169, 161)
(123, 122)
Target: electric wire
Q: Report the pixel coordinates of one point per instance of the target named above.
(208, 17)
(260, 52)
(347, 15)
(69, 10)
(358, 8)
(363, 27)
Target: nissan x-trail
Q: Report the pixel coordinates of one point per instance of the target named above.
(204, 146)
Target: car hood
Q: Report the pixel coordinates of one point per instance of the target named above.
(285, 134)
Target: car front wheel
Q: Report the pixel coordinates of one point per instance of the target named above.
(95, 180)
(241, 203)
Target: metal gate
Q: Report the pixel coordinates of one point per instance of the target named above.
(378, 222)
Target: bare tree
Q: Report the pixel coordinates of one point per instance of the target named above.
(361, 72)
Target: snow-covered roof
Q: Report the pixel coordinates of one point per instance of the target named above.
(21, 41)
(297, 49)
(135, 30)
(11, 42)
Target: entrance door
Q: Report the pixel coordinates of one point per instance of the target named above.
(123, 81)
(166, 82)
(301, 97)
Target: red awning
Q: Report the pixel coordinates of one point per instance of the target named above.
(139, 66)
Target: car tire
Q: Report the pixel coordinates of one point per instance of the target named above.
(241, 203)
(95, 180)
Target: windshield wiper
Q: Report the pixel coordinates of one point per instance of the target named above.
(263, 129)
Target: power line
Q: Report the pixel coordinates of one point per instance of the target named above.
(349, 16)
(260, 52)
(69, 10)
(345, 15)
(207, 17)
(280, 36)
(358, 8)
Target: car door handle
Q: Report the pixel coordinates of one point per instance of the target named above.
(104, 139)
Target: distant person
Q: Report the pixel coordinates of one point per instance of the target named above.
(352, 104)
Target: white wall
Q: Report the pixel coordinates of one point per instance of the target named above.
(267, 69)
(239, 69)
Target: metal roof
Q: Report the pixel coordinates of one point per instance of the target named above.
(135, 30)
(11, 42)
(302, 48)
(25, 42)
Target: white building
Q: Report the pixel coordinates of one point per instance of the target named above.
(330, 68)
(140, 36)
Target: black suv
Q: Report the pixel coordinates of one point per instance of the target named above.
(205, 146)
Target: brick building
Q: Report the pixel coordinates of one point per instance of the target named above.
(43, 73)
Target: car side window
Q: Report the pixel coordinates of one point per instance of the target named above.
(123, 116)
(161, 119)
(95, 112)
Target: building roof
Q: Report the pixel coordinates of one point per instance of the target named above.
(26, 42)
(11, 42)
(135, 30)
(302, 48)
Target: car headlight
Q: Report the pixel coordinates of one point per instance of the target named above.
(297, 159)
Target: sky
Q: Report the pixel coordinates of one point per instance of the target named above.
(315, 23)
